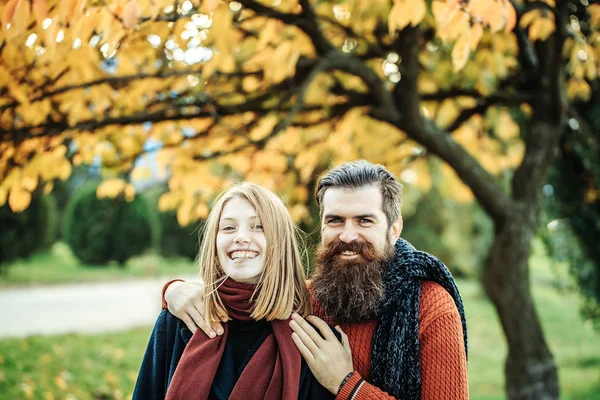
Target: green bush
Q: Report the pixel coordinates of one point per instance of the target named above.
(28, 231)
(177, 240)
(101, 230)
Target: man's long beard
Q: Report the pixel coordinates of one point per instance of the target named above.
(350, 291)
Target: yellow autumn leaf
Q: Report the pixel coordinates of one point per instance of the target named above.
(29, 183)
(19, 199)
(48, 187)
(40, 10)
(300, 213)
(110, 188)
(202, 211)
(265, 127)
(131, 13)
(417, 11)
(71, 10)
(208, 6)
(21, 16)
(453, 187)
(529, 17)
(9, 12)
(578, 89)
(399, 16)
(129, 192)
(461, 51)
(475, 35)
(185, 213)
(18, 92)
(541, 29)
(510, 17)
(170, 201)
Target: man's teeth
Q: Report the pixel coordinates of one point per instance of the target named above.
(349, 253)
(243, 254)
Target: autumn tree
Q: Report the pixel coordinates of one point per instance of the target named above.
(275, 91)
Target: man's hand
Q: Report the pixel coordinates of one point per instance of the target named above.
(185, 300)
(328, 359)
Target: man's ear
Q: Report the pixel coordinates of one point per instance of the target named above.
(396, 230)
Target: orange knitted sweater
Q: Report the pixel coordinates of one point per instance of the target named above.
(442, 350)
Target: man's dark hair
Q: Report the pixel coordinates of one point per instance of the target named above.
(360, 174)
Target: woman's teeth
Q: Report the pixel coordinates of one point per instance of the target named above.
(243, 254)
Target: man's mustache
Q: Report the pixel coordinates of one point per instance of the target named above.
(356, 246)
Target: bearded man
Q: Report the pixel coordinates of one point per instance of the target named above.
(398, 310)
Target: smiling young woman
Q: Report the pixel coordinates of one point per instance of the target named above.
(251, 266)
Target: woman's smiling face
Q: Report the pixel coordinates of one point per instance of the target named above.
(241, 242)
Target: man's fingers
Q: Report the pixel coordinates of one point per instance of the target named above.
(217, 327)
(323, 327)
(345, 341)
(308, 342)
(304, 351)
(201, 322)
(307, 329)
(189, 323)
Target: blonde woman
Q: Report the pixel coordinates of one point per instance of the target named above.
(251, 266)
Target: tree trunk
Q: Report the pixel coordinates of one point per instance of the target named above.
(530, 370)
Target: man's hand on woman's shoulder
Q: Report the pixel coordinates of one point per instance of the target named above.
(185, 300)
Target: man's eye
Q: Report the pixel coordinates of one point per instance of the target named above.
(334, 221)
(365, 221)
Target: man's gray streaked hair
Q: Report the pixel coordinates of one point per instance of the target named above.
(361, 174)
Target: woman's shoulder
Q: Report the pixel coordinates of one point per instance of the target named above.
(169, 325)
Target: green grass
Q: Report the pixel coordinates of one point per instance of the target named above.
(105, 366)
(59, 265)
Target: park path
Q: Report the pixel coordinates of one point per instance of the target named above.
(79, 308)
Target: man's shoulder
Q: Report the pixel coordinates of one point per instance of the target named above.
(435, 301)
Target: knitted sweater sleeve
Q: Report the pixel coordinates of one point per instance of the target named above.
(443, 361)
(442, 356)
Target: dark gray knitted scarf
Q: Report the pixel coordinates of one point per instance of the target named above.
(395, 366)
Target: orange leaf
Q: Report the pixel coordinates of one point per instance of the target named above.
(19, 199)
(21, 16)
(17, 92)
(511, 17)
(131, 13)
(9, 12)
(208, 6)
(40, 10)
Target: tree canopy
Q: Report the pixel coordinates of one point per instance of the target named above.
(262, 89)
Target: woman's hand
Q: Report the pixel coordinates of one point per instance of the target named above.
(185, 300)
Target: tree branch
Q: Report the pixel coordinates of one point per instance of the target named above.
(486, 102)
(306, 21)
(439, 142)
(111, 80)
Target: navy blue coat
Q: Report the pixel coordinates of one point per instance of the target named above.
(168, 340)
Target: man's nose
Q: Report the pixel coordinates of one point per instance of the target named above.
(349, 233)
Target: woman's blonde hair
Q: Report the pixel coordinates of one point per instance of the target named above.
(281, 288)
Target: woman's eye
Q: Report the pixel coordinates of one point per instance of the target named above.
(228, 228)
(258, 227)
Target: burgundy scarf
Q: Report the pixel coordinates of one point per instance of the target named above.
(272, 373)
